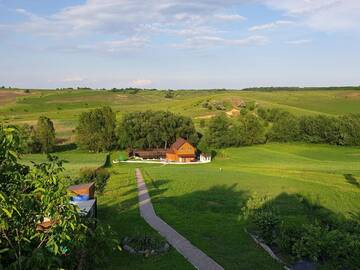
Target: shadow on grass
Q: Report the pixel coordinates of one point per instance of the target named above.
(65, 147)
(295, 212)
(352, 180)
(210, 219)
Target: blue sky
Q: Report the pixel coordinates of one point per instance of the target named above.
(179, 43)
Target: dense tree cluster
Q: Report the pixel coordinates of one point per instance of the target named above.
(154, 129)
(281, 126)
(39, 138)
(343, 130)
(224, 132)
(96, 129)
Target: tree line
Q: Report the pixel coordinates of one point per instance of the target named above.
(276, 125)
(98, 130)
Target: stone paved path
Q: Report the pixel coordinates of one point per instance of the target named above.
(194, 255)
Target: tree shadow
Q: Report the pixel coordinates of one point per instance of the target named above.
(210, 219)
(352, 180)
(296, 211)
(64, 147)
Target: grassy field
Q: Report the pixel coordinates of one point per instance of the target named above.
(73, 160)
(64, 107)
(204, 203)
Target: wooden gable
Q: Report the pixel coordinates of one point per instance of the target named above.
(186, 149)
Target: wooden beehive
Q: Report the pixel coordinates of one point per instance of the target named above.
(83, 189)
(45, 225)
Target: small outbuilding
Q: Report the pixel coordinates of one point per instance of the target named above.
(205, 157)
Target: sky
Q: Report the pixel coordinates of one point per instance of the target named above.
(179, 44)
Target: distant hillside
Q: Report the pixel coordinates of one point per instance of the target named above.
(19, 106)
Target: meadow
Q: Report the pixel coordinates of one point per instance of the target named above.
(73, 161)
(65, 106)
(205, 202)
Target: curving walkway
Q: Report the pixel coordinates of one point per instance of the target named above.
(194, 255)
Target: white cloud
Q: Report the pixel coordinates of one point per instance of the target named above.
(271, 25)
(141, 83)
(230, 17)
(323, 15)
(200, 42)
(124, 17)
(299, 41)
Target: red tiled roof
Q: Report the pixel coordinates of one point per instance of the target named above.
(179, 142)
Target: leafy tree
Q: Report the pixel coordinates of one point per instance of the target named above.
(96, 129)
(27, 197)
(350, 129)
(249, 131)
(285, 128)
(320, 129)
(154, 129)
(219, 132)
(45, 134)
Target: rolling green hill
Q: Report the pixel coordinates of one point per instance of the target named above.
(64, 106)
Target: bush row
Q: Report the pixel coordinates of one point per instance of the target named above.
(99, 176)
(336, 245)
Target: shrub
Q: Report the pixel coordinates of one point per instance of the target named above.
(99, 176)
(169, 94)
(288, 235)
(100, 242)
(262, 113)
(266, 223)
(262, 217)
(244, 111)
(251, 105)
(87, 174)
(311, 244)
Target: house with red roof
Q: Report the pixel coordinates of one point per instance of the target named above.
(181, 151)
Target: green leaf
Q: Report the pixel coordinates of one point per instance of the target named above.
(4, 250)
(17, 211)
(7, 212)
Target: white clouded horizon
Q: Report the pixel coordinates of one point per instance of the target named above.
(120, 42)
(322, 15)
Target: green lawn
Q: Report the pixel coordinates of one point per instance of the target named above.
(73, 160)
(204, 202)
